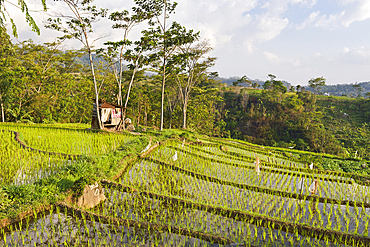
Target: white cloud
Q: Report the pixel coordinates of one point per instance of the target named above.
(264, 28)
(357, 11)
(352, 10)
(324, 21)
(278, 7)
(309, 21)
(271, 57)
(289, 62)
(296, 63)
(308, 4)
(358, 55)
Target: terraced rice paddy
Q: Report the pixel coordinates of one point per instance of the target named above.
(54, 147)
(69, 141)
(209, 195)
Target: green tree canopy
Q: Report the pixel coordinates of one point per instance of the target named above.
(317, 83)
(21, 4)
(358, 89)
(242, 81)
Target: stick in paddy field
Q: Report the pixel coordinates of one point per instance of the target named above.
(257, 163)
(314, 186)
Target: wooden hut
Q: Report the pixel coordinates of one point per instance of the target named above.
(110, 116)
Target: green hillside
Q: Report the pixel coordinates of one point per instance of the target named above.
(348, 120)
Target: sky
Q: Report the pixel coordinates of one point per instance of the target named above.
(295, 40)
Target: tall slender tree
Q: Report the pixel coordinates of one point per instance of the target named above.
(137, 59)
(126, 22)
(164, 38)
(78, 26)
(190, 64)
(317, 83)
(126, 50)
(161, 36)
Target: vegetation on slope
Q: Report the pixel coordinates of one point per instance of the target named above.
(348, 121)
(273, 118)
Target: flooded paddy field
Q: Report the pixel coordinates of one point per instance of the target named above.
(178, 194)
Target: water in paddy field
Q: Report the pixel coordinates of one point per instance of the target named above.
(342, 189)
(244, 234)
(56, 228)
(332, 216)
(62, 230)
(26, 176)
(59, 229)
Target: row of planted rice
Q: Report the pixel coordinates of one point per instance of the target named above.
(59, 228)
(40, 158)
(330, 184)
(242, 154)
(269, 156)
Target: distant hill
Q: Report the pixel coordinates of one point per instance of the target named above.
(84, 60)
(230, 80)
(344, 89)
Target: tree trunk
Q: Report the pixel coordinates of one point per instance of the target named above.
(2, 113)
(128, 96)
(162, 99)
(2, 109)
(184, 109)
(170, 120)
(120, 100)
(96, 88)
(119, 94)
(146, 116)
(164, 64)
(139, 113)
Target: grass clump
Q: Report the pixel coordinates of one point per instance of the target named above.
(80, 184)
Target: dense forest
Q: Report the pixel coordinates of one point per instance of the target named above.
(168, 83)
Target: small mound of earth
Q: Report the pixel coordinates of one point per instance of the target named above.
(92, 195)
